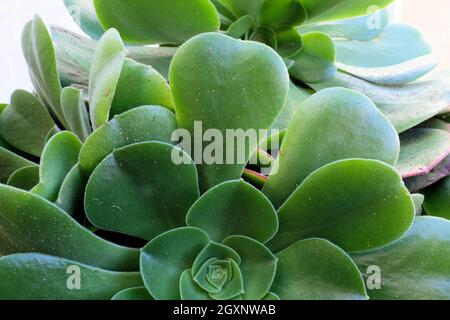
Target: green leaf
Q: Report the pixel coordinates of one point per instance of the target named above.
(40, 56)
(422, 150)
(135, 294)
(75, 112)
(241, 8)
(233, 100)
(32, 224)
(166, 257)
(154, 21)
(71, 194)
(147, 123)
(133, 190)
(316, 269)
(357, 204)
(25, 178)
(25, 123)
(439, 172)
(361, 28)
(242, 26)
(328, 10)
(315, 62)
(83, 13)
(213, 251)
(258, 266)
(282, 13)
(234, 208)
(271, 297)
(33, 276)
(405, 106)
(58, 158)
(190, 290)
(234, 287)
(414, 268)
(10, 162)
(158, 58)
(140, 85)
(384, 60)
(334, 124)
(418, 202)
(437, 199)
(289, 42)
(104, 76)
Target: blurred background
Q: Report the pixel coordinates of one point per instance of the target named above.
(433, 19)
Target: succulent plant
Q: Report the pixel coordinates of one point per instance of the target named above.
(93, 204)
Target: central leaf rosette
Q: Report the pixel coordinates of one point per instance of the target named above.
(184, 263)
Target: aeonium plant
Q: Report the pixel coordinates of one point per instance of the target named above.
(104, 197)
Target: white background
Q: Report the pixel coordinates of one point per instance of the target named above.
(433, 19)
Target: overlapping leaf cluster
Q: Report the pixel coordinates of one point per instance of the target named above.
(88, 177)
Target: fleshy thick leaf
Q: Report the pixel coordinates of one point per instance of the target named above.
(437, 199)
(155, 21)
(139, 293)
(384, 60)
(83, 13)
(405, 106)
(258, 266)
(58, 158)
(25, 178)
(316, 269)
(104, 76)
(147, 123)
(32, 224)
(418, 183)
(71, 193)
(414, 268)
(140, 85)
(315, 62)
(133, 190)
(35, 276)
(166, 257)
(421, 151)
(327, 10)
(75, 112)
(227, 84)
(334, 124)
(358, 204)
(10, 162)
(234, 208)
(40, 56)
(26, 124)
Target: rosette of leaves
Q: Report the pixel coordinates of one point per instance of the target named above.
(90, 186)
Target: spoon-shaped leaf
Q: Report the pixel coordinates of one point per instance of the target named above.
(155, 21)
(405, 106)
(327, 10)
(234, 208)
(437, 199)
(147, 123)
(32, 224)
(75, 112)
(59, 156)
(83, 13)
(40, 56)
(316, 269)
(241, 8)
(139, 293)
(166, 257)
(71, 194)
(332, 125)
(258, 266)
(358, 204)
(223, 83)
(104, 76)
(384, 60)
(421, 151)
(25, 178)
(282, 13)
(361, 28)
(133, 190)
(10, 162)
(414, 268)
(140, 85)
(35, 276)
(315, 62)
(439, 172)
(241, 27)
(25, 123)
